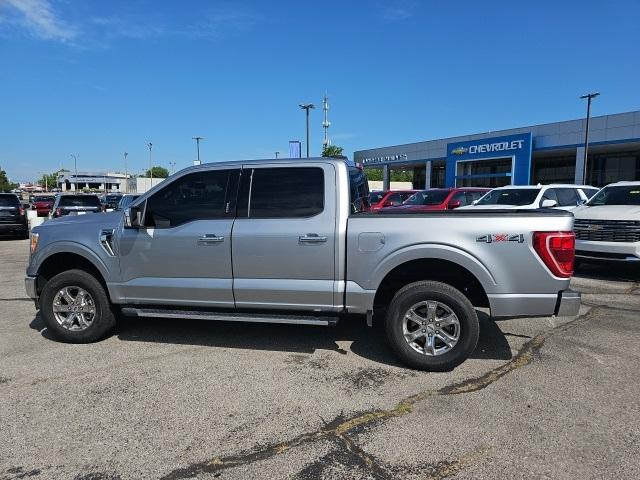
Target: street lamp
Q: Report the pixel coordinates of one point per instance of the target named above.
(277, 154)
(307, 107)
(589, 97)
(197, 139)
(75, 165)
(173, 167)
(126, 174)
(150, 145)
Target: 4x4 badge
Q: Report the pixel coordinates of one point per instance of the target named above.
(500, 237)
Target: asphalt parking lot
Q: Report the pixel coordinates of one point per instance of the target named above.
(540, 398)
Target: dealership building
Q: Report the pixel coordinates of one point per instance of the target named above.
(547, 153)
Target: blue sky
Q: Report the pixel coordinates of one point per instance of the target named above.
(99, 78)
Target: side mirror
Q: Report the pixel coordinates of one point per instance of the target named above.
(475, 202)
(547, 203)
(454, 204)
(132, 217)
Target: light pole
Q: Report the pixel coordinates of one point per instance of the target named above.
(173, 167)
(75, 166)
(126, 174)
(197, 139)
(307, 107)
(277, 154)
(150, 145)
(589, 97)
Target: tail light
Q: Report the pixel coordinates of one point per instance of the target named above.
(21, 211)
(557, 250)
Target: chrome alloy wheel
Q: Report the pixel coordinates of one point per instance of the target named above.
(431, 328)
(74, 308)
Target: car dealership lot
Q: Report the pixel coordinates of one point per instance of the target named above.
(553, 397)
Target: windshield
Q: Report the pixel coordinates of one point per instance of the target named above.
(617, 195)
(79, 201)
(44, 199)
(375, 197)
(9, 201)
(427, 197)
(113, 198)
(510, 196)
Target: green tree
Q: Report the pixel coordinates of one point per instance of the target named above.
(332, 151)
(158, 172)
(5, 184)
(373, 173)
(396, 175)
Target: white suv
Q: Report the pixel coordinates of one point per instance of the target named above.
(527, 197)
(608, 226)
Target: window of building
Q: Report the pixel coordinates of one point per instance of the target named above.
(197, 196)
(283, 193)
(561, 169)
(438, 171)
(603, 169)
(480, 173)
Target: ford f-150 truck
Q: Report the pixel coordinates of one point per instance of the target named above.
(289, 241)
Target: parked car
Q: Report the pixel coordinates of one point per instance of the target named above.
(125, 201)
(279, 241)
(388, 198)
(608, 226)
(110, 201)
(13, 219)
(78, 204)
(42, 204)
(565, 197)
(437, 199)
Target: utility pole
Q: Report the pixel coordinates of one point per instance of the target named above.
(197, 139)
(307, 107)
(150, 145)
(589, 97)
(126, 174)
(326, 123)
(75, 165)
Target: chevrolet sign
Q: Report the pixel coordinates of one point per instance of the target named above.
(489, 147)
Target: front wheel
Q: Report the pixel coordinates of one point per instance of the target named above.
(432, 326)
(75, 307)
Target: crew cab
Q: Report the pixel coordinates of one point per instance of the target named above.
(290, 241)
(438, 199)
(607, 228)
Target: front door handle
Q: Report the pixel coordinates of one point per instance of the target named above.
(312, 238)
(210, 239)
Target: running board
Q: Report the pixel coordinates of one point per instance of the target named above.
(230, 317)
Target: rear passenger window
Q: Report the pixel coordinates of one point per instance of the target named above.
(197, 196)
(284, 193)
(567, 197)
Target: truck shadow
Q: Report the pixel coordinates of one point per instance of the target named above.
(369, 343)
(608, 271)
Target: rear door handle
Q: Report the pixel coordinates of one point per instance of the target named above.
(312, 238)
(210, 239)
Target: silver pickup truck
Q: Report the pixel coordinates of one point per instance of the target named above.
(290, 241)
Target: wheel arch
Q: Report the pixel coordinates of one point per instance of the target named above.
(62, 261)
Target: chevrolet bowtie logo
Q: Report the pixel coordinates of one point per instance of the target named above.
(459, 151)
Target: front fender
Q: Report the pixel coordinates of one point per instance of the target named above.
(66, 246)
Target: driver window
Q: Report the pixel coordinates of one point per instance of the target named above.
(197, 196)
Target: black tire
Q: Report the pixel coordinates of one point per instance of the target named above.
(103, 321)
(417, 292)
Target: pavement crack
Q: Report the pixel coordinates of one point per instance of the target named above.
(339, 428)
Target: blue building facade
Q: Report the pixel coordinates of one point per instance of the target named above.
(546, 153)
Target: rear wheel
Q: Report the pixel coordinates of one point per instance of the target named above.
(75, 307)
(432, 326)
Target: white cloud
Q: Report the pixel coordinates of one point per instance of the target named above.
(39, 17)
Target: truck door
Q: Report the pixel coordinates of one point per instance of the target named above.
(283, 240)
(181, 255)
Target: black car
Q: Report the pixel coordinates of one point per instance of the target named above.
(75, 205)
(13, 218)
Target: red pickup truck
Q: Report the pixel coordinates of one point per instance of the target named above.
(42, 204)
